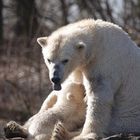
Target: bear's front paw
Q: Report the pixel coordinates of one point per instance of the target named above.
(59, 132)
(13, 129)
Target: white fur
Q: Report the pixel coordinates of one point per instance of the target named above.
(59, 106)
(110, 66)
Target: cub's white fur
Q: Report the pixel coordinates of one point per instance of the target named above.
(67, 106)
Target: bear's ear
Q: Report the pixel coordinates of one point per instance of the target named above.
(70, 96)
(81, 45)
(42, 41)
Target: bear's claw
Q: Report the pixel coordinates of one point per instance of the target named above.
(13, 129)
(59, 132)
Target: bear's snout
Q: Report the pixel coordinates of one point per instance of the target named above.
(57, 87)
(55, 80)
(56, 83)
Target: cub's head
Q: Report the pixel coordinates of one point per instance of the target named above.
(63, 53)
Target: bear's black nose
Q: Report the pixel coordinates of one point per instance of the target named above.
(55, 80)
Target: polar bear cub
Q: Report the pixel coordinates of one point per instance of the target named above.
(66, 105)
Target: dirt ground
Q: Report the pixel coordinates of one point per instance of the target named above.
(2, 124)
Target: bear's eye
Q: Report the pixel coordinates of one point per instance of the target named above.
(49, 60)
(65, 61)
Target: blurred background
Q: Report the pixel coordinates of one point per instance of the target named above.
(24, 82)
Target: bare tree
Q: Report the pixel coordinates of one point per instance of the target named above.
(64, 11)
(1, 22)
(97, 9)
(131, 19)
(26, 17)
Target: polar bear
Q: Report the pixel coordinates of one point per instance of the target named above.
(59, 106)
(109, 64)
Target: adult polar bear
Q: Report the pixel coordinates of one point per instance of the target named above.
(110, 65)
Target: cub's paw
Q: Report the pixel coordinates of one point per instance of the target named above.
(13, 129)
(59, 132)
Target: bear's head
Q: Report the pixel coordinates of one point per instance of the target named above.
(64, 51)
